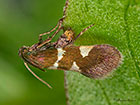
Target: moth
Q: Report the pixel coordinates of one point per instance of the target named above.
(93, 61)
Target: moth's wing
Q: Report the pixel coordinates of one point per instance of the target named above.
(98, 61)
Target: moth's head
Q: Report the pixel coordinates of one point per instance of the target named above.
(28, 56)
(23, 51)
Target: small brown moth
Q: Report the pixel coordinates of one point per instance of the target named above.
(93, 61)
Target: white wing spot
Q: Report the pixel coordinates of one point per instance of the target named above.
(74, 67)
(84, 50)
(60, 56)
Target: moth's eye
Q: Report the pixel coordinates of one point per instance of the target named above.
(25, 50)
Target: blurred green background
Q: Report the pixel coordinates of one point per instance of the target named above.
(21, 21)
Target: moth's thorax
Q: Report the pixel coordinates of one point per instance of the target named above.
(69, 34)
(65, 39)
(92, 61)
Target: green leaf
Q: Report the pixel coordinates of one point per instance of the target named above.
(118, 24)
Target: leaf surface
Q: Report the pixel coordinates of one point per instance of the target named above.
(117, 22)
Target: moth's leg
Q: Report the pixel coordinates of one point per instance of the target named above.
(59, 24)
(49, 39)
(40, 35)
(65, 8)
(82, 32)
(59, 28)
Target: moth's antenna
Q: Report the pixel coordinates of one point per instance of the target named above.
(36, 75)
